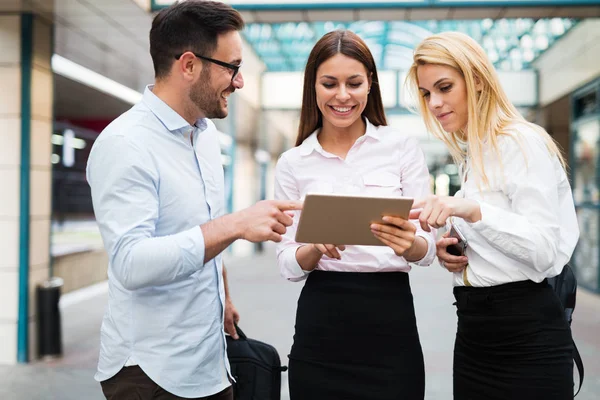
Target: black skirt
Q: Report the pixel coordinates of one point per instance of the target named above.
(513, 342)
(356, 339)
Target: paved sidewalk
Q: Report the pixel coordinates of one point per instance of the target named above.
(267, 306)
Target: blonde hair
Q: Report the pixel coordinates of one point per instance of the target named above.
(490, 113)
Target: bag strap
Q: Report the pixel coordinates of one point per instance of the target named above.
(240, 332)
(579, 364)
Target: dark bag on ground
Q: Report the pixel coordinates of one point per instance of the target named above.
(565, 287)
(256, 368)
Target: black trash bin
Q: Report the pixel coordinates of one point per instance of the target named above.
(49, 330)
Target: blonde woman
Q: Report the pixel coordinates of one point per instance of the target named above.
(516, 213)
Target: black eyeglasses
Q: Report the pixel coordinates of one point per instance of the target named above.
(234, 68)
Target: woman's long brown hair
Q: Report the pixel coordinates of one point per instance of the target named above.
(351, 45)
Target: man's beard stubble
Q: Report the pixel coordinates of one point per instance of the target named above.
(203, 96)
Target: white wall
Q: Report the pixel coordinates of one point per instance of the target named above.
(412, 125)
(521, 87)
(144, 4)
(282, 90)
(252, 71)
(571, 62)
(281, 127)
(245, 190)
(387, 84)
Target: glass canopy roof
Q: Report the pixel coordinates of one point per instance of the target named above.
(511, 44)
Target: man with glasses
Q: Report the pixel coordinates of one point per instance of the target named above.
(158, 193)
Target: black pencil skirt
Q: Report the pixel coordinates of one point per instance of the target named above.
(356, 339)
(513, 342)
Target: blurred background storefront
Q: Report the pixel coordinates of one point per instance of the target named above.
(585, 175)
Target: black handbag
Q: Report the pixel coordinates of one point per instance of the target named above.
(256, 368)
(565, 287)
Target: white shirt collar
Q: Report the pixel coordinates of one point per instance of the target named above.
(311, 143)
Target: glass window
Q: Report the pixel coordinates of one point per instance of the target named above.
(585, 180)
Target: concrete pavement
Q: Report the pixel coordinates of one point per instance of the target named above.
(267, 305)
